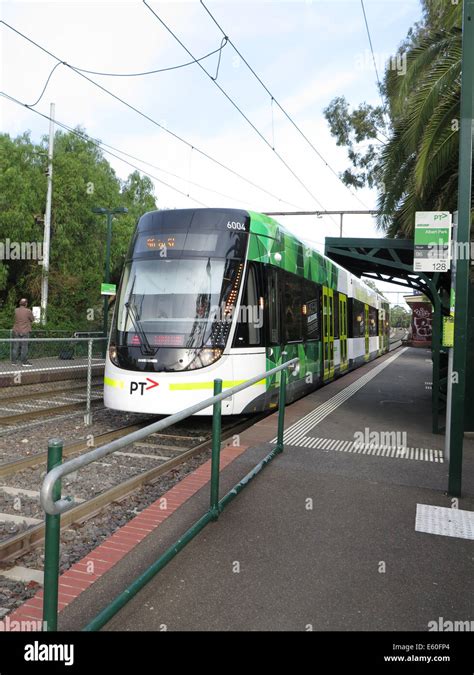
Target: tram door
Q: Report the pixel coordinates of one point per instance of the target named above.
(381, 326)
(328, 332)
(366, 332)
(343, 330)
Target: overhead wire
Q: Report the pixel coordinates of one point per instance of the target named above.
(384, 105)
(84, 136)
(103, 146)
(150, 119)
(160, 70)
(285, 113)
(147, 72)
(237, 107)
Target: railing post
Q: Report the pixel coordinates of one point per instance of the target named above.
(88, 414)
(51, 546)
(216, 450)
(281, 411)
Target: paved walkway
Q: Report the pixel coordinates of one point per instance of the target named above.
(333, 535)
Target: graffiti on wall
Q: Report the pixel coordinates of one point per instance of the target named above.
(421, 322)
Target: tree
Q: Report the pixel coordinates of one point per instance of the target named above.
(82, 179)
(363, 132)
(421, 158)
(400, 317)
(22, 191)
(408, 148)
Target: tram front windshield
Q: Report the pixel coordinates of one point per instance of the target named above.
(174, 302)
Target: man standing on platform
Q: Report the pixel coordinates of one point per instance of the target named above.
(21, 331)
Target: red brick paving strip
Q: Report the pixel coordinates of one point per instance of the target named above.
(84, 573)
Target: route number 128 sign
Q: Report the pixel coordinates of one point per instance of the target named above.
(432, 241)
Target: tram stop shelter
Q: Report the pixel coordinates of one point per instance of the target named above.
(391, 260)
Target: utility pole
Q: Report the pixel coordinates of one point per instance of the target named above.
(109, 213)
(456, 430)
(47, 221)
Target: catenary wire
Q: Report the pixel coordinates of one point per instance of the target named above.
(84, 136)
(150, 119)
(240, 111)
(148, 72)
(285, 113)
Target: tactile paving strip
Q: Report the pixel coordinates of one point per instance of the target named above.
(444, 521)
(397, 452)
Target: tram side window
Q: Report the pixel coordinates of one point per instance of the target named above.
(273, 305)
(358, 318)
(312, 314)
(350, 319)
(373, 322)
(336, 314)
(293, 324)
(250, 315)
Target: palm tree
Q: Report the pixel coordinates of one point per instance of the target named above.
(420, 160)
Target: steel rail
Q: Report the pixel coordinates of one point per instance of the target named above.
(55, 507)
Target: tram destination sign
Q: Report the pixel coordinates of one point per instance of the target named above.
(432, 241)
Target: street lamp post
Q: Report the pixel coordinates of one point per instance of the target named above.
(109, 213)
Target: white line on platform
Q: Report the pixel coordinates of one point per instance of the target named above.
(298, 430)
(443, 521)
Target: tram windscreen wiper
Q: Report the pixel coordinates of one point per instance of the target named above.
(136, 324)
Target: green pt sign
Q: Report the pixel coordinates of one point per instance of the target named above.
(108, 289)
(432, 241)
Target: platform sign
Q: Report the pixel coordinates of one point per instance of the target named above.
(108, 289)
(36, 314)
(448, 331)
(432, 241)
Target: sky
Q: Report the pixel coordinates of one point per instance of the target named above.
(305, 51)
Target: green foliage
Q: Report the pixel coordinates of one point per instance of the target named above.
(416, 167)
(359, 130)
(82, 180)
(400, 317)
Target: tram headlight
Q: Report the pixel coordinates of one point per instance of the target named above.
(113, 356)
(204, 358)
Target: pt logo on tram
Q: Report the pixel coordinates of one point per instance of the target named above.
(135, 386)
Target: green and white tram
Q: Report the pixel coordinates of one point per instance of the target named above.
(225, 293)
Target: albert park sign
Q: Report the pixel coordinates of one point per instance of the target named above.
(432, 241)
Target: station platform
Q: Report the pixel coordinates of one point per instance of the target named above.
(340, 532)
(48, 369)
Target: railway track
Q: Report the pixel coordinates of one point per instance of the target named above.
(103, 483)
(120, 474)
(29, 406)
(45, 394)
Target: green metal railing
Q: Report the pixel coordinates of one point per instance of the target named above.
(54, 505)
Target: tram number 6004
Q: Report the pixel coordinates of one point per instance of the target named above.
(232, 225)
